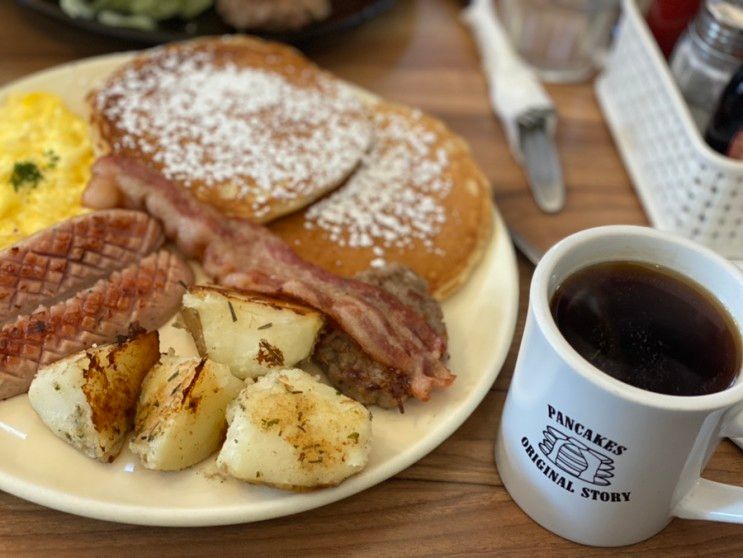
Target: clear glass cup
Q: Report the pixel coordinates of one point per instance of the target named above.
(562, 40)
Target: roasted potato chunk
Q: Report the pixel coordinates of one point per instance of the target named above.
(88, 399)
(250, 333)
(180, 417)
(289, 431)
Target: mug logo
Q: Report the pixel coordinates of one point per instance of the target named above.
(575, 458)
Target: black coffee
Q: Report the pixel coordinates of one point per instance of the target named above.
(649, 327)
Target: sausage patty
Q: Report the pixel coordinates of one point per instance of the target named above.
(351, 370)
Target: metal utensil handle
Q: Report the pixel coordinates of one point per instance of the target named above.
(543, 169)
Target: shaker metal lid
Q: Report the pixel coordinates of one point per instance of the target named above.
(719, 27)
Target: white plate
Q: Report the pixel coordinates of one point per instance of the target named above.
(37, 466)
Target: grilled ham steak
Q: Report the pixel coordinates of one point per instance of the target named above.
(147, 293)
(247, 256)
(55, 263)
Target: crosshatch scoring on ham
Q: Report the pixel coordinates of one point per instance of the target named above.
(62, 260)
(88, 280)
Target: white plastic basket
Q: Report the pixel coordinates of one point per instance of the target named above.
(685, 186)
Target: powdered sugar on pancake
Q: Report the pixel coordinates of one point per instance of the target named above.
(247, 131)
(394, 198)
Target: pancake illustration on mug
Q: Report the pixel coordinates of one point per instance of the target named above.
(576, 458)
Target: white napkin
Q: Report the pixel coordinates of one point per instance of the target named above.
(514, 88)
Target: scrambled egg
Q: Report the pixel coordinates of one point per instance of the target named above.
(45, 160)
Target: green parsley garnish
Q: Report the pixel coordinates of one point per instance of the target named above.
(354, 436)
(51, 158)
(25, 172)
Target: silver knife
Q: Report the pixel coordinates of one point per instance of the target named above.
(540, 159)
(525, 247)
(525, 109)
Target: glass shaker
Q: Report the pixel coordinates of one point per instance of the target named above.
(707, 55)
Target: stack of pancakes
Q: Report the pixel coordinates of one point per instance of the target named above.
(259, 132)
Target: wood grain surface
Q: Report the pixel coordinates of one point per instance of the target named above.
(452, 502)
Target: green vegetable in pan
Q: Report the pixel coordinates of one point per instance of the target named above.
(140, 14)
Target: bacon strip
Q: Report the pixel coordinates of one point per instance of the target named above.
(248, 256)
(146, 293)
(57, 262)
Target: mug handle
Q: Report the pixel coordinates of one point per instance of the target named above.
(715, 501)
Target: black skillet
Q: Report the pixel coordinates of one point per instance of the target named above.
(345, 15)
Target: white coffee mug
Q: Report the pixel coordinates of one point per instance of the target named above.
(593, 459)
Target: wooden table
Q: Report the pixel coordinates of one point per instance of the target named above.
(452, 501)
